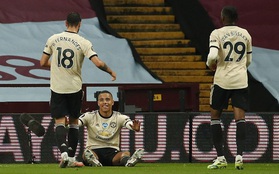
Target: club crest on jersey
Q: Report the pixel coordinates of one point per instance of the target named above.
(113, 124)
(105, 125)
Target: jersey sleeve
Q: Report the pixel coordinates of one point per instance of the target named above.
(249, 51)
(123, 119)
(47, 48)
(88, 49)
(213, 39)
(249, 45)
(82, 121)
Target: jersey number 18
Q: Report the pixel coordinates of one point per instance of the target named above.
(65, 57)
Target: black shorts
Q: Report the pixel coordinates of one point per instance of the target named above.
(105, 155)
(66, 104)
(219, 98)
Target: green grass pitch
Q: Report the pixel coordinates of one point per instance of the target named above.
(142, 168)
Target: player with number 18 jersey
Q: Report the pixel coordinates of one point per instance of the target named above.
(64, 53)
(68, 50)
(233, 44)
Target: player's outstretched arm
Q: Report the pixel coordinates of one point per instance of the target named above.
(136, 125)
(103, 66)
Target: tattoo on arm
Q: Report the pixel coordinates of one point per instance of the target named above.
(104, 68)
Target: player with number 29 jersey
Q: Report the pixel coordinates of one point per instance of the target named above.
(68, 50)
(230, 54)
(234, 44)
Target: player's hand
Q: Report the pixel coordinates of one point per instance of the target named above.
(113, 75)
(136, 125)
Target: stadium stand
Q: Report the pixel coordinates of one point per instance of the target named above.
(163, 47)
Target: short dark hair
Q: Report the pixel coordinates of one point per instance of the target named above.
(102, 92)
(230, 13)
(73, 18)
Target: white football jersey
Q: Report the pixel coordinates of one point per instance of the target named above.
(103, 132)
(233, 44)
(68, 50)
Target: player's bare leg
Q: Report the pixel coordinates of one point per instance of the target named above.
(121, 158)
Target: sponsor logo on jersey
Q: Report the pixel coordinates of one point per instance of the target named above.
(105, 125)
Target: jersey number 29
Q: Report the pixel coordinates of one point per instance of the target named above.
(238, 47)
